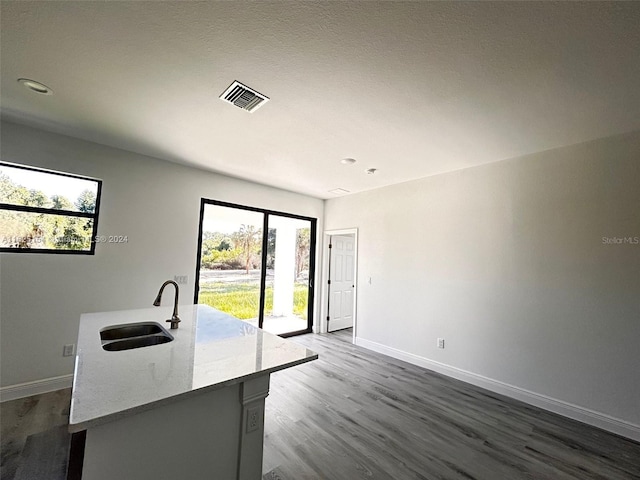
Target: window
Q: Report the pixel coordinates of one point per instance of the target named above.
(42, 211)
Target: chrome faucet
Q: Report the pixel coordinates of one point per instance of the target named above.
(175, 320)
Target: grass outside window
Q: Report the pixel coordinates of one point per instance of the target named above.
(242, 299)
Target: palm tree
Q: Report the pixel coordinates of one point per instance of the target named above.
(303, 243)
(248, 240)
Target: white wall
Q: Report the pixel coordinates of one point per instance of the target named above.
(506, 262)
(155, 203)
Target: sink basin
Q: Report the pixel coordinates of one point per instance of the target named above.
(131, 330)
(135, 342)
(133, 335)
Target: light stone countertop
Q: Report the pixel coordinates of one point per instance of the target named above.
(210, 350)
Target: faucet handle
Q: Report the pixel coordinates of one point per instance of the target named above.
(174, 321)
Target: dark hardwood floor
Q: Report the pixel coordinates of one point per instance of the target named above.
(358, 414)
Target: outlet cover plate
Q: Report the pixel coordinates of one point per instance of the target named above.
(253, 419)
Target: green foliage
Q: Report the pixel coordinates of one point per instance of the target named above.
(6, 187)
(218, 254)
(300, 300)
(303, 245)
(242, 299)
(43, 231)
(239, 300)
(59, 202)
(86, 202)
(222, 259)
(12, 193)
(224, 245)
(36, 198)
(242, 249)
(248, 240)
(271, 247)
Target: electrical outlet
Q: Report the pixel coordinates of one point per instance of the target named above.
(181, 279)
(441, 343)
(253, 419)
(68, 350)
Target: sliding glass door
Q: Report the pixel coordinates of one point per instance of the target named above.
(230, 260)
(257, 265)
(288, 280)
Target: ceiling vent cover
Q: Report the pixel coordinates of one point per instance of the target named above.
(244, 97)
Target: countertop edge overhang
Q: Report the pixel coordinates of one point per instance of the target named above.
(206, 341)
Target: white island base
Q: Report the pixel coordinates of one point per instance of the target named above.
(219, 432)
(189, 409)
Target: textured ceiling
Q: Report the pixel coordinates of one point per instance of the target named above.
(412, 89)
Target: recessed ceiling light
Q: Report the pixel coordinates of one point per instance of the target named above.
(371, 171)
(339, 191)
(36, 87)
(348, 161)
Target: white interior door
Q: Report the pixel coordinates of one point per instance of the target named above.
(341, 282)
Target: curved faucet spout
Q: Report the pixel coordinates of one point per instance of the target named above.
(175, 320)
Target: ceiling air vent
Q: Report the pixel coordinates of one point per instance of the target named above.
(244, 97)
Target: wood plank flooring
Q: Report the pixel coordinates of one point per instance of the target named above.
(355, 414)
(34, 438)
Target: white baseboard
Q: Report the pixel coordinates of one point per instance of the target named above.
(590, 417)
(22, 390)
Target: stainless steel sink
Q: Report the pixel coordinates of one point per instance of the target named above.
(135, 342)
(130, 330)
(133, 335)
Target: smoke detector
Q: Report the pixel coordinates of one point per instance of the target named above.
(244, 97)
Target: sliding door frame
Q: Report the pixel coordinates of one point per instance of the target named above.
(263, 271)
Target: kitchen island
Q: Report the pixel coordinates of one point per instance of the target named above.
(191, 408)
